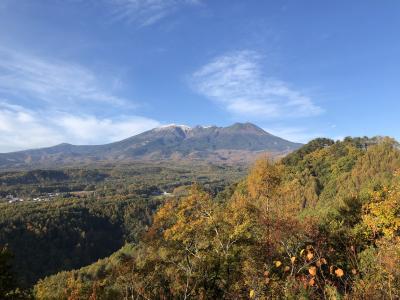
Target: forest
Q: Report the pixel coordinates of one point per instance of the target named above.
(92, 212)
(321, 223)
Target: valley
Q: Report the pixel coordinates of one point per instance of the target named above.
(80, 215)
(199, 150)
(107, 229)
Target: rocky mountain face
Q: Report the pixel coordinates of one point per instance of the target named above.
(240, 142)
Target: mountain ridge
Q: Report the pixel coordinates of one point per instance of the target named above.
(237, 142)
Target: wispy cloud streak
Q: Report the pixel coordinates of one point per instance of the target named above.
(147, 12)
(46, 102)
(51, 81)
(236, 81)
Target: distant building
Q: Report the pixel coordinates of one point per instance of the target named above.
(11, 199)
(15, 199)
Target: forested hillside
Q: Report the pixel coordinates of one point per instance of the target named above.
(70, 218)
(323, 223)
(68, 234)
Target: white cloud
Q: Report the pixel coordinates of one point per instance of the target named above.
(64, 99)
(236, 81)
(21, 128)
(93, 130)
(147, 12)
(54, 82)
(294, 134)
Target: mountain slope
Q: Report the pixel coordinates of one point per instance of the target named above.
(238, 142)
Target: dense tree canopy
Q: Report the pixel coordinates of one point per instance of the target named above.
(320, 224)
(67, 234)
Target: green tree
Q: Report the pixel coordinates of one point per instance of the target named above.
(7, 279)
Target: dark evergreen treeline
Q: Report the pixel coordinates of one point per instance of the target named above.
(48, 237)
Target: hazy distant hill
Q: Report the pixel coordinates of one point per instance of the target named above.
(238, 142)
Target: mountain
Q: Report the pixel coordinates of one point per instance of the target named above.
(238, 142)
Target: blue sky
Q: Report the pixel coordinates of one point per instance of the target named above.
(96, 71)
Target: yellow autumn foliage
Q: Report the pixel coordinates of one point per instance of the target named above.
(263, 179)
(381, 216)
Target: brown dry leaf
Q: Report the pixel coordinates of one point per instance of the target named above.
(293, 259)
(312, 271)
(311, 282)
(310, 256)
(339, 272)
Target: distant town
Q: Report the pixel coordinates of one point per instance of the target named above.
(46, 197)
(10, 198)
